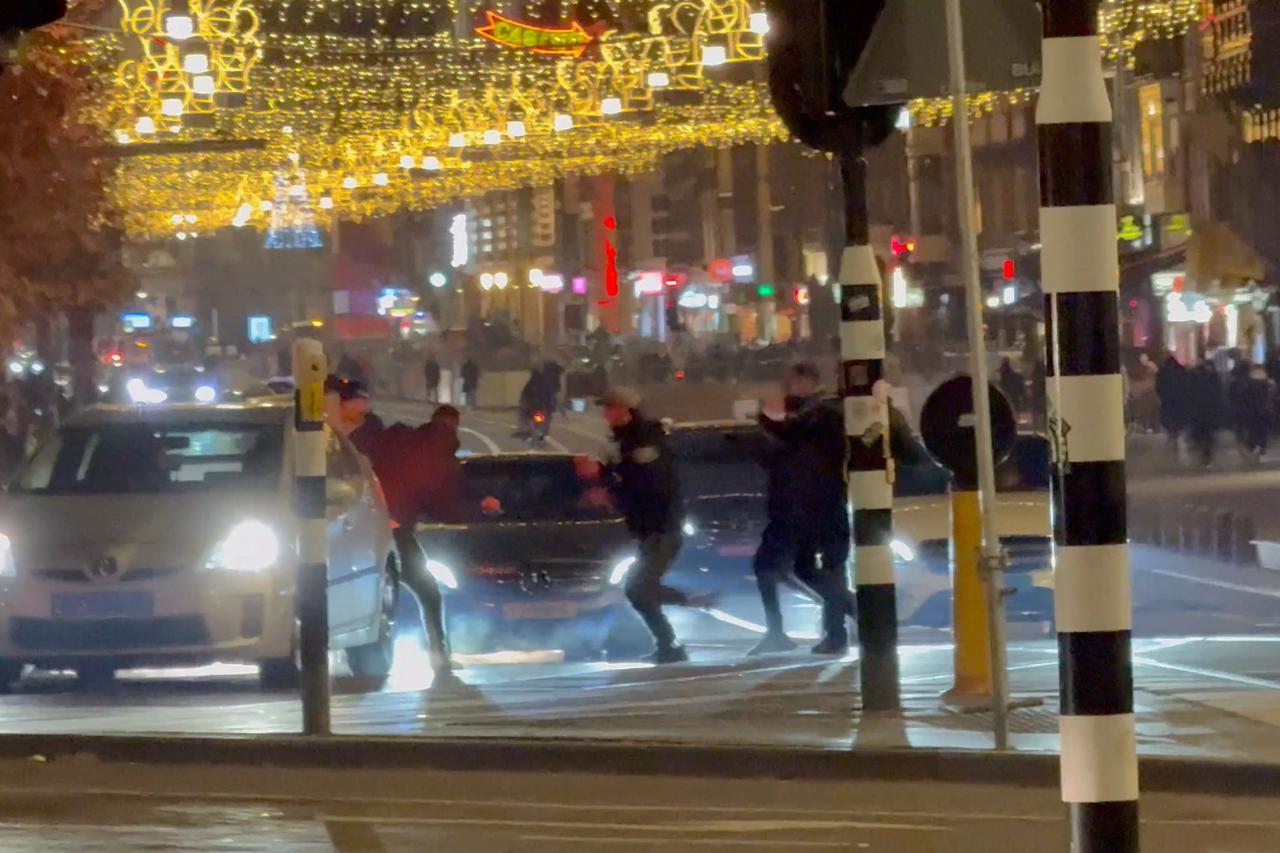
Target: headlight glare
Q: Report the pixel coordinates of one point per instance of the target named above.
(7, 566)
(443, 574)
(251, 546)
(206, 394)
(619, 572)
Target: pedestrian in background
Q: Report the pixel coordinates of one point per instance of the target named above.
(642, 481)
(470, 381)
(1172, 387)
(1204, 408)
(431, 375)
(808, 531)
(1013, 385)
(1256, 400)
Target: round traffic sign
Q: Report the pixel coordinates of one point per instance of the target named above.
(947, 426)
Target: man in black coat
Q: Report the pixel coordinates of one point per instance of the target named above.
(643, 483)
(808, 531)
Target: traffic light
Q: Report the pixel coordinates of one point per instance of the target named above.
(814, 45)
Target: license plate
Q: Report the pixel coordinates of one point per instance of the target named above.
(736, 550)
(105, 604)
(540, 610)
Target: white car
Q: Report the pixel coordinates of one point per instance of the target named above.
(153, 536)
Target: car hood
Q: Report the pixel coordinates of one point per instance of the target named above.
(137, 530)
(525, 542)
(927, 518)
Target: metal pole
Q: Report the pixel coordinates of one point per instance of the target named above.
(309, 454)
(992, 560)
(865, 395)
(1081, 278)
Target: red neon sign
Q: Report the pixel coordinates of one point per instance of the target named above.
(551, 41)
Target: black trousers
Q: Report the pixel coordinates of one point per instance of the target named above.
(413, 562)
(818, 560)
(645, 589)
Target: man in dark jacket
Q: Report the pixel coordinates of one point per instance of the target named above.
(431, 377)
(420, 476)
(808, 530)
(643, 483)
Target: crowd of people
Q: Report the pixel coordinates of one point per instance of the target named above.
(1197, 403)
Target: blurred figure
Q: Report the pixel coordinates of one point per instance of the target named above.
(537, 397)
(11, 444)
(643, 484)
(553, 377)
(1172, 389)
(1013, 385)
(808, 531)
(431, 375)
(1204, 408)
(470, 381)
(421, 477)
(1257, 398)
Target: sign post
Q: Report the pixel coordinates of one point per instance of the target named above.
(309, 371)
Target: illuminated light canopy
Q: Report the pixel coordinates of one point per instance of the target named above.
(551, 41)
(179, 27)
(172, 107)
(407, 161)
(431, 163)
(611, 106)
(516, 129)
(457, 140)
(380, 179)
(266, 206)
(145, 125)
(562, 122)
(123, 137)
(203, 84)
(658, 79)
(195, 63)
(714, 55)
(492, 137)
(759, 23)
(326, 202)
(350, 182)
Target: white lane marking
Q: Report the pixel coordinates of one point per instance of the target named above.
(1209, 673)
(1235, 587)
(489, 443)
(734, 826)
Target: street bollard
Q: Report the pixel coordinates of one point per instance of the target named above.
(972, 649)
(1224, 522)
(311, 507)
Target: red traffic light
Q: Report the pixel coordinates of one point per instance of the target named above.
(899, 247)
(1008, 270)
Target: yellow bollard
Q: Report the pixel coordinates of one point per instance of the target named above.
(973, 684)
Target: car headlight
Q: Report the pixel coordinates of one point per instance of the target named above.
(902, 550)
(443, 574)
(140, 393)
(206, 394)
(620, 569)
(251, 546)
(8, 568)
(689, 528)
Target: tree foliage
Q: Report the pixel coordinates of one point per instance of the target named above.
(60, 234)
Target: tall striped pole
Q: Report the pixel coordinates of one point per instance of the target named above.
(309, 466)
(866, 418)
(1099, 769)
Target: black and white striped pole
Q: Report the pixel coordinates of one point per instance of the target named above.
(866, 415)
(1093, 606)
(309, 465)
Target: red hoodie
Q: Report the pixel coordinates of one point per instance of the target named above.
(418, 468)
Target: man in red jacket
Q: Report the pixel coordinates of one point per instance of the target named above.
(420, 476)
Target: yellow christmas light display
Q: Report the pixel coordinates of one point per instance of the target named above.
(350, 90)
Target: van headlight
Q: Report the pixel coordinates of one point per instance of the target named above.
(619, 571)
(8, 568)
(251, 546)
(206, 394)
(443, 574)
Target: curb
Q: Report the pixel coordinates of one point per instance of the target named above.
(1158, 773)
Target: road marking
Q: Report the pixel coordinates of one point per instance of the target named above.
(721, 826)
(1210, 673)
(1235, 587)
(484, 439)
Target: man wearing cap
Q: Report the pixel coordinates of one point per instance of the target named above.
(420, 475)
(643, 483)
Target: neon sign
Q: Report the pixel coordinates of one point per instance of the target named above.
(553, 41)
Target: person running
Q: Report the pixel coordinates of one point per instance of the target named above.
(420, 476)
(808, 531)
(431, 376)
(643, 483)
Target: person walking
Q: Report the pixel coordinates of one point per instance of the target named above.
(1256, 399)
(1204, 409)
(1171, 389)
(420, 476)
(642, 481)
(431, 375)
(808, 531)
(1013, 385)
(470, 381)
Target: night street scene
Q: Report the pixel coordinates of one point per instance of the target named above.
(639, 425)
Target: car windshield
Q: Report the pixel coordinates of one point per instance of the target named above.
(532, 490)
(718, 461)
(151, 458)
